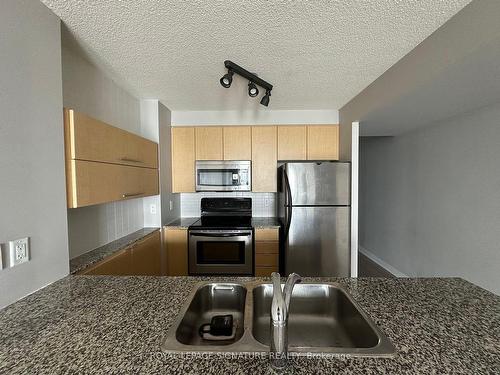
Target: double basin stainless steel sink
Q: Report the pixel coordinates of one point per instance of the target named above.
(323, 318)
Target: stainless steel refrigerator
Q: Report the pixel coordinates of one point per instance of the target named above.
(314, 207)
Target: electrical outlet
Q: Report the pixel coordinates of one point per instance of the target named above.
(171, 205)
(266, 202)
(19, 251)
(152, 209)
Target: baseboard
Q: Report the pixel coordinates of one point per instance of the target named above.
(381, 263)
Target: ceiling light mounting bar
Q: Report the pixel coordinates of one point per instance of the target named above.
(235, 68)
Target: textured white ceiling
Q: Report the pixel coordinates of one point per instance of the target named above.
(317, 54)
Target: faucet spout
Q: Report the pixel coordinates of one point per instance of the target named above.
(279, 319)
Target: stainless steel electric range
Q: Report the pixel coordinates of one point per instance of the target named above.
(221, 242)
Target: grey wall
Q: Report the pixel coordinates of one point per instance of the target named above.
(430, 199)
(32, 182)
(452, 71)
(87, 89)
(167, 215)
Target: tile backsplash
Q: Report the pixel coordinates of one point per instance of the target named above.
(263, 204)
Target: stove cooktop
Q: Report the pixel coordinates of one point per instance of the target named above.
(222, 222)
(224, 213)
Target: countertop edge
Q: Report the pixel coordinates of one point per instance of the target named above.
(94, 256)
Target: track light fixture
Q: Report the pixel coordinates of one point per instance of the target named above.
(265, 99)
(227, 79)
(253, 91)
(253, 81)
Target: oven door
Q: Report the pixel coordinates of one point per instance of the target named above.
(220, 252)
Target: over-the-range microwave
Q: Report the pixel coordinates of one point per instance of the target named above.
(223, 175)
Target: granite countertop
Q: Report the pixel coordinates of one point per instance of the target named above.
(114, 325)
(85, 260)
(182, 222)
(265, 222)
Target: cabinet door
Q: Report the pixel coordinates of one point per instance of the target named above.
(266, 234)
(292, 143)
(91, 139)
(183, 160)
(177, 251)
(146, 256)
(209, 143)
(237, 143)
(264, 162)
(322, 142)
(118, 264)
(95, 183)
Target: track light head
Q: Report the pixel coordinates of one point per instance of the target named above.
(253, 91)
(265, 99)
(227, 79)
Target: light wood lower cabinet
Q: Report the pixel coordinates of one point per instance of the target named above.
(141, 259)
(146, 256)
(176, 244)
(94, 183)
(118, 264)
(266, 251)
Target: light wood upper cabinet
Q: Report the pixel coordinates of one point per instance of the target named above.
(94, 183)
(208, 143)
(292, 142)
(183, 159)
(106, 164)
(91, 139)
(263, 145)
(264, 158)
(176, 242)
(237, 143)
(146, 256)
(322, 142)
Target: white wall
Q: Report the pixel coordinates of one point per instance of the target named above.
(156, 125)
(263, 204)
(430, 199)
(150, 130)
(168, 199)
(87, 89)
(263, 117)
(32, 182)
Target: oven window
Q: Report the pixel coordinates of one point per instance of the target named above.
(217, 177)
(220, 252)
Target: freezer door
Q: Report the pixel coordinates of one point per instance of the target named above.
(317, 241)
(319, 183)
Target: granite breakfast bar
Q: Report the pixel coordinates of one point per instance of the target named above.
(114, 325)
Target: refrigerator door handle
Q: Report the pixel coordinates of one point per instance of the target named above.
(288, 220)
(288, 192)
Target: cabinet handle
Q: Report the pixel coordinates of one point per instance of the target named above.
(131, 195)
(131, 160)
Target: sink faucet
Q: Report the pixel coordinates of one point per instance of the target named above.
(279, 319)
